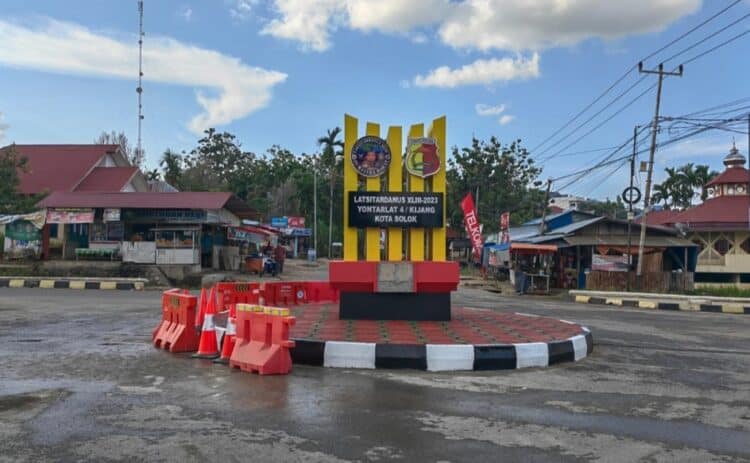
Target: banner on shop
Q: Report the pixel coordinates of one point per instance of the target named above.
(471, 221)
(59, 215)
(610, 263)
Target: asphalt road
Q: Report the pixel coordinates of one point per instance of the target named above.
(79, 381)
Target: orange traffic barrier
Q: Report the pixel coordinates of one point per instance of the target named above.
(208, 347)
(234, 292)
(175, 332)
(263, 343)
(230, 333)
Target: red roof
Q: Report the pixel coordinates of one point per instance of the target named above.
(150, 200)
(663, 217)
(731, 175)
(716, 213)
(58, 167)
(107, 179)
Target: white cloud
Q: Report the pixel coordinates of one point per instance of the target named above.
(241, 10)
(68, 48)
(506, 119)
(309, 22)
(482, 72)
(488, 110)
(715, 147)
(478, 24)
(186, 13)
(533, 25)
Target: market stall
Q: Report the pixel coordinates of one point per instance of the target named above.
(531, 266)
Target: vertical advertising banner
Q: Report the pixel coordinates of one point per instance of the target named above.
(505, 227)
(471, 221)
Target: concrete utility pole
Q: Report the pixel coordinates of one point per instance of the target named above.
(630, 206)
(544, 208)
(647, 196)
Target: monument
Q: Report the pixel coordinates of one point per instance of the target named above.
(394, 264)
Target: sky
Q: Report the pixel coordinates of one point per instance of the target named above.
(284, 71)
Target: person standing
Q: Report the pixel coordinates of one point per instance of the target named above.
(279, 254)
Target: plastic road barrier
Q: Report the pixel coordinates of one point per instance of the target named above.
(175, 332)
(262, 344)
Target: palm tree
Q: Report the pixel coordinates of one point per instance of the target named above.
(171, 163)
(330, 143)
(702, 177)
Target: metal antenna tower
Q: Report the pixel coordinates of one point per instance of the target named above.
(139, 89)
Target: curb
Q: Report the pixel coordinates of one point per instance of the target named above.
(655, 305)
(53, 283)
(441, 357)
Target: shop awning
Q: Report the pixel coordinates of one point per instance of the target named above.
(622, 240)
(529, 248)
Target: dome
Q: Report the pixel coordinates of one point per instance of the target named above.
(734, 158)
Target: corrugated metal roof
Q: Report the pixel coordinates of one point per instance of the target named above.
(622, 240)
(151, 200)
(577, 225)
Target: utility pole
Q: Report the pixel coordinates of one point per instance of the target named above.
(647, 196)
(139, 90)
(315, 206)
(544, 207)
(630, 207)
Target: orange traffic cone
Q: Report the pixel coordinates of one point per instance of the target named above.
(208, 347)
(201, 310)
(228, 345)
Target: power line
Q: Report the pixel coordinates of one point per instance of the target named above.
(582, 124)
(713, 49)
(706, 38)
(626, 74)
(695, 28)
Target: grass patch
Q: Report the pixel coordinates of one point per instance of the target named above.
(722, 291)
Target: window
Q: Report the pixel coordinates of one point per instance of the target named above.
(722, 246)
(746, 245)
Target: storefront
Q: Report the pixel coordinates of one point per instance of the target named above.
(145, 228)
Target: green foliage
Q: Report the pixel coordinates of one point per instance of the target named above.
(278, 182)
(682, 184)
(722, 291)
(507, 179)
(615, 209)
(11, 201)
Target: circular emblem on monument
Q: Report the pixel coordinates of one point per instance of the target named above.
(422, 158)
(371, 156)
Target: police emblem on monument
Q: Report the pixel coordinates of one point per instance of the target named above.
(371, 156)
(422, 158)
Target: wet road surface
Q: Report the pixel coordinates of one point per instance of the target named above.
(81, 382)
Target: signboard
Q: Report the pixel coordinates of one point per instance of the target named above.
(166, 215)
(279, 222)
(111, 215)
(297, 232)
(70, 215)
(381, 209)
(609, 263)
(295, 222)
(471, 221)
(371, 156)
(238, 234)
(22, 230)
(422, 159)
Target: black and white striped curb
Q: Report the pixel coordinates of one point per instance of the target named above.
(441, 357)
(685, 306)
(52, 283)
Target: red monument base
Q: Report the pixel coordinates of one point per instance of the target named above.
(394, 290)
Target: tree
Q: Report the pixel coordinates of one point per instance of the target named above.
(119, 138)
(507, 179)
(682, 184)
(332, 148)
(615, 209)
(172, 165)
(11, 200)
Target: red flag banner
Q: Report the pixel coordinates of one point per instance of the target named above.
(471, 221)
(505, 227)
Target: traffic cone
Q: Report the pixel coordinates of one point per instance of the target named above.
(208, 347)
(201, 310)
(228, 345)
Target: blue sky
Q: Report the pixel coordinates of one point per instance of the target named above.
(284, 71)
